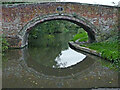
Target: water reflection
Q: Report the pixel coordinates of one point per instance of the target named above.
(32, 67)
(68, 58)
(54, 56)
(54, 51)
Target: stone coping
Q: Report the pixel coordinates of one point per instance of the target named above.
(85, 49)
(44, 2)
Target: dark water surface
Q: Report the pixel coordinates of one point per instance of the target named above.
(49, 62)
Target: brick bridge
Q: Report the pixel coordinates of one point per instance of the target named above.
(97, 20)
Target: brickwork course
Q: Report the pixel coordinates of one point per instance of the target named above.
(99, 21)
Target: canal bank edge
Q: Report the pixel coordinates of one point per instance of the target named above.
(85, 49)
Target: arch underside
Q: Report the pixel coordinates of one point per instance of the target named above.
(83, 23)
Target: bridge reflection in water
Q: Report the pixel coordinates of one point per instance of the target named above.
(32, 67)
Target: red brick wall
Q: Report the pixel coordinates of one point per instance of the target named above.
(16, 17)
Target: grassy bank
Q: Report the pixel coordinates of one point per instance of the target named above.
(108, 49)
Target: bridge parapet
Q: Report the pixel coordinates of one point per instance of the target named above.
(98, 21)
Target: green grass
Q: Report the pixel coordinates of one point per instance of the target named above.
(109, 50)
(81, 35)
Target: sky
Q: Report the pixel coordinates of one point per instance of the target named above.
(103, 2)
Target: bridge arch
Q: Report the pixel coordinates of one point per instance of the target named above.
(82, 22)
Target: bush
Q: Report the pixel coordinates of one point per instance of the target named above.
(4, 44)
(81, 36)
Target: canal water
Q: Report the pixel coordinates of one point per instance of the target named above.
(49, 62)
